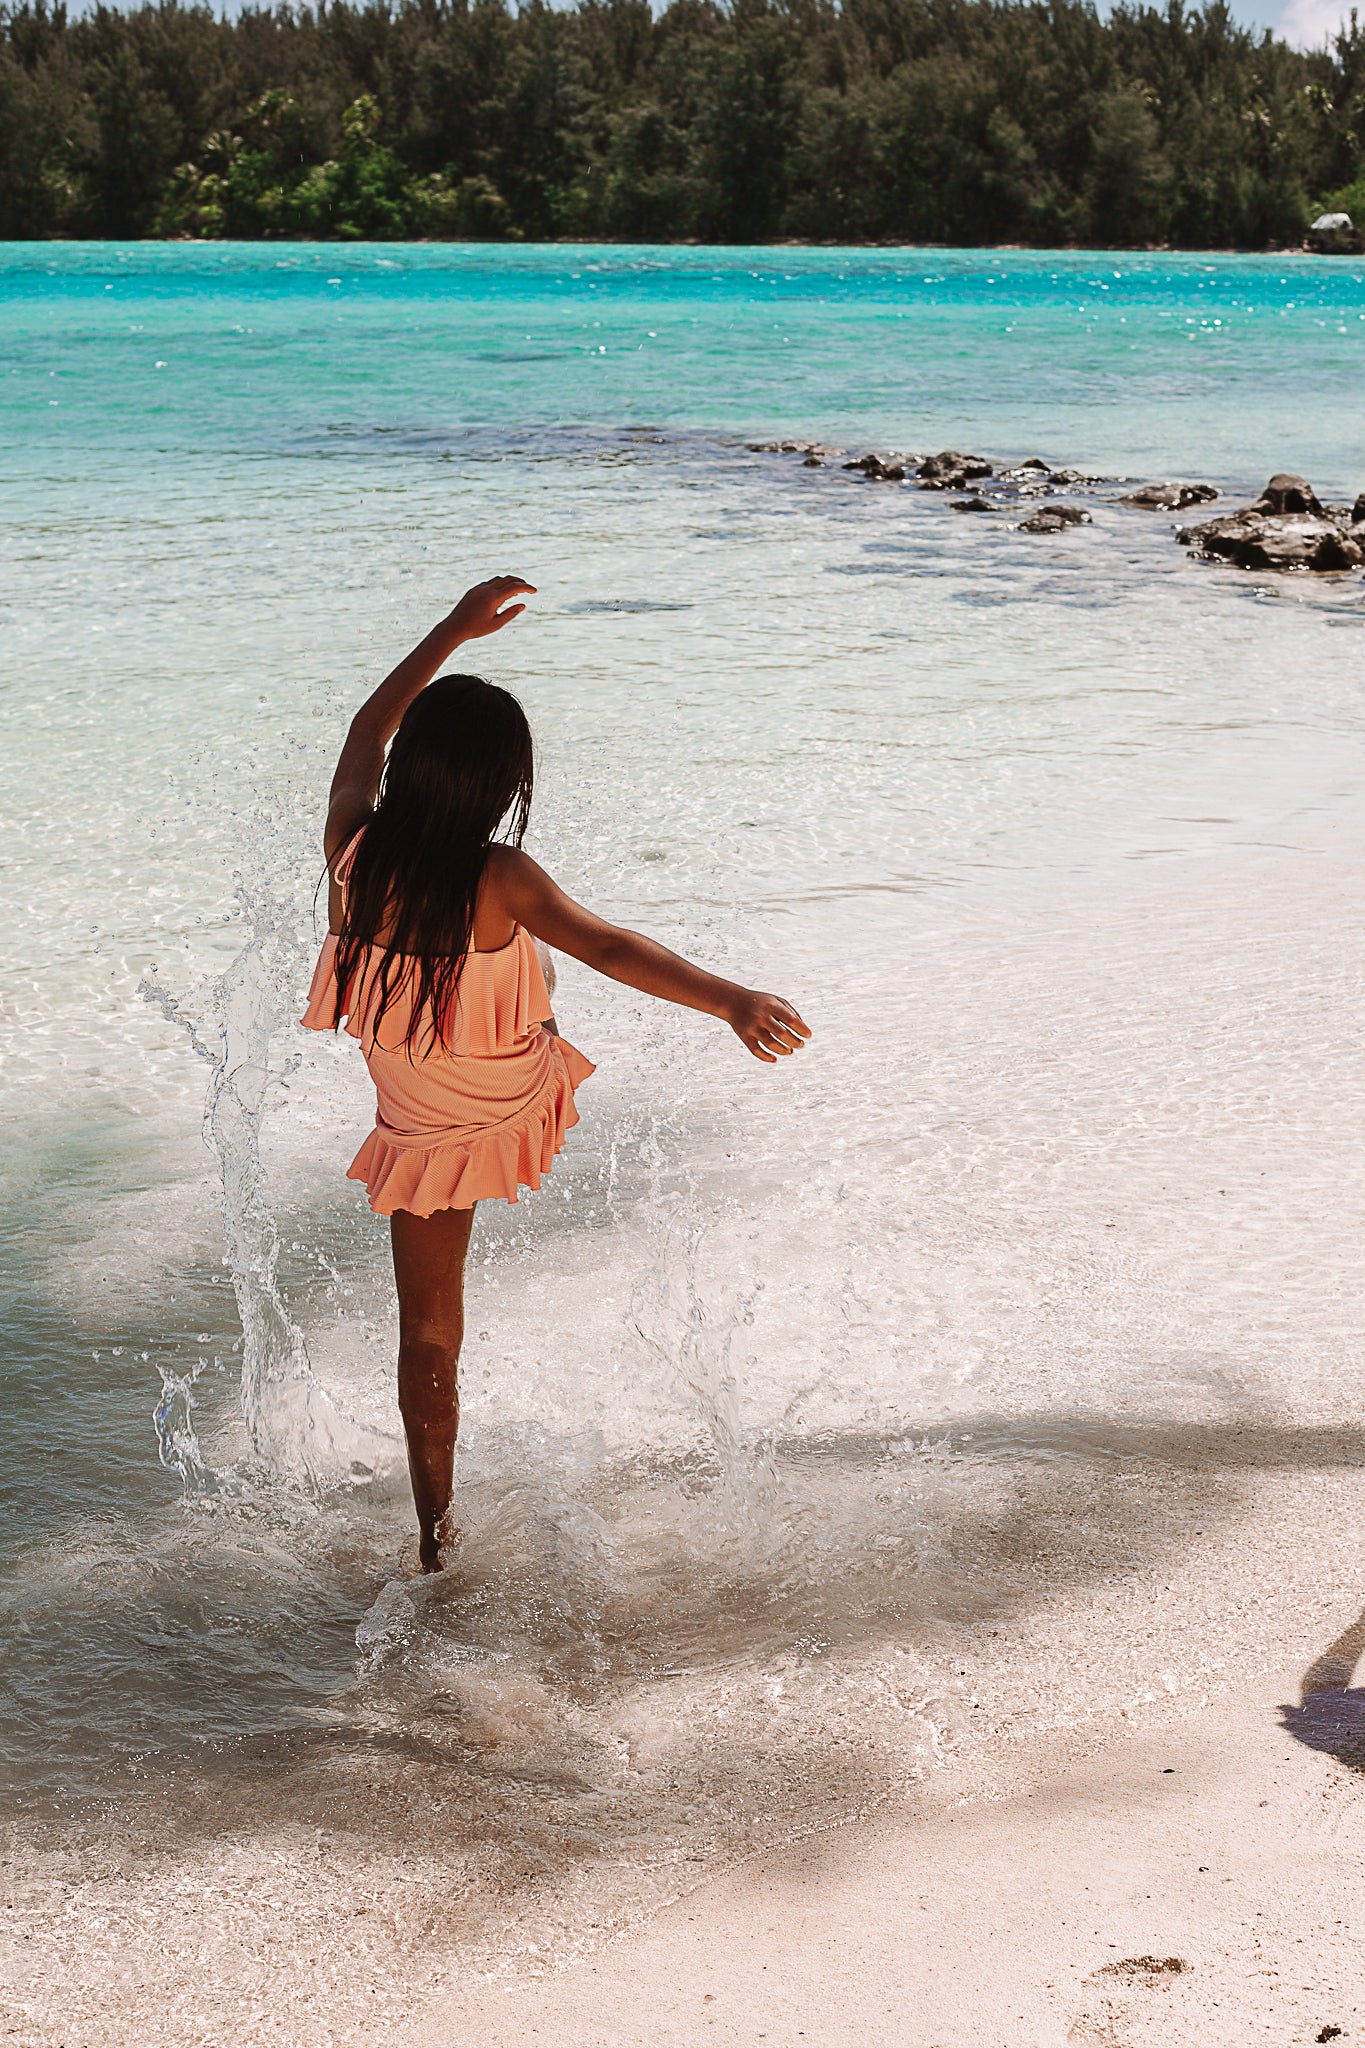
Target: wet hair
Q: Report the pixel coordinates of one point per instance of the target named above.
(460, 774)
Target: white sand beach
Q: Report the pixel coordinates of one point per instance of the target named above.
(1197, 1877)
(1033, 1886)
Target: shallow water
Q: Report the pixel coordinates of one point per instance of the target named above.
(792, 1389)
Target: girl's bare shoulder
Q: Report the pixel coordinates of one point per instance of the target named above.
(509, 873)
(508, 860)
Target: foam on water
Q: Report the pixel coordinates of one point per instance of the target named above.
(795, 1394)
(294, 1430)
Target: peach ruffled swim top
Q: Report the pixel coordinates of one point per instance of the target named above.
(471, 1121)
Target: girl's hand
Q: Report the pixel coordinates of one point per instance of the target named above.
(768, 1026)
(478, 614)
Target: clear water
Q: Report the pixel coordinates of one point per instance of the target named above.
(794, 1391)
(163, 352)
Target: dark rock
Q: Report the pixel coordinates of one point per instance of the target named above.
(1073, 476)
(1358, 511)
(1286, 528)
(812, 461)
(1033, 474)
(773, 447)
(976, 504)
(1288, 493)
(1055, 519)
(1253, 539)
(1024, 483)
(1169, 497)
(951, 471)
(877, 471)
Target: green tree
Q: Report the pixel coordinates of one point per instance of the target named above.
(966, 121)
(1128, 181)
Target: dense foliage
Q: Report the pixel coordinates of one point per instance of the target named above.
(962, 121)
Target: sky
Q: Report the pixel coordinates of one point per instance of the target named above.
(1305, 23)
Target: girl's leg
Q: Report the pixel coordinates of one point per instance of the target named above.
(428, 1265)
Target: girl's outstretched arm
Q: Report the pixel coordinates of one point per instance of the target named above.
(356, 781)
(768, 1025)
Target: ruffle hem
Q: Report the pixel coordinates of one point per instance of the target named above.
(401, 1173)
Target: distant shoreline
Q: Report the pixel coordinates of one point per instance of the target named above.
(624, 242)
(980, 124)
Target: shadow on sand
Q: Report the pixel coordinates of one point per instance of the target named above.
(1330, 1714)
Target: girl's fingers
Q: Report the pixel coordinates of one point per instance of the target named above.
(776, 1030)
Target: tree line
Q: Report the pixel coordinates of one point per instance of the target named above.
(968, 122)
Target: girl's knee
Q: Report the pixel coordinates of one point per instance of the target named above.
(420, 1334)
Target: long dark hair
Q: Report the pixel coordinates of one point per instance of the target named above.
(460, 767)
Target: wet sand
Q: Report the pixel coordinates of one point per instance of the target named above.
(1131, 1775)
(1195, 1879)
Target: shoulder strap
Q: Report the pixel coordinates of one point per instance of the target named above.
(341, 870)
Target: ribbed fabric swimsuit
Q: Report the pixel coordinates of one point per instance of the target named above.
(466, 1122)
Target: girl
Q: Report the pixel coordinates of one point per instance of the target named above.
(430, 960)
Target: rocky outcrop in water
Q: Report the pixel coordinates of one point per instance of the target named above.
(1031, 479)
(1170, 497)
(1285, 529)
(814, 451)
(877, 470)
(1288, 493)
(1055, 519)
(952, 471)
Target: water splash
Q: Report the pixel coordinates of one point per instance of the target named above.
(177, 1440)
(295, 1430)
(387, 1626)
(694, 1341)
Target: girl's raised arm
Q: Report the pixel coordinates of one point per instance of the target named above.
(768, 1025)
(356, 781)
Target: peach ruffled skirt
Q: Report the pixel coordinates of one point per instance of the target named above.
(468, 1123)
(426, 1170)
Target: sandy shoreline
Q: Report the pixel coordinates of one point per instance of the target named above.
(1117, 1783)
(1197, 1878)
